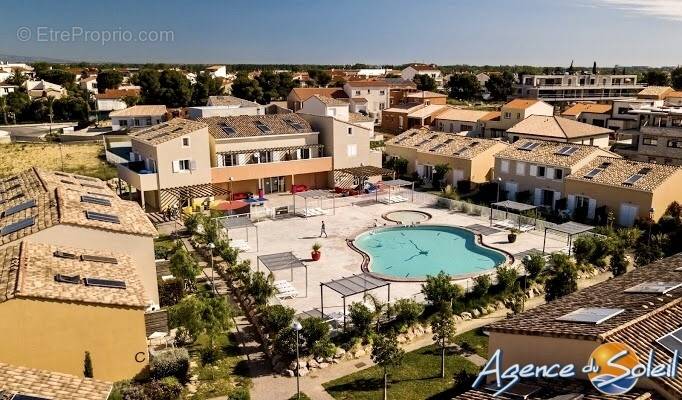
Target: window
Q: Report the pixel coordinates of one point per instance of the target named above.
(227, 160)
(123, 122)
(352, 150)
(382, 92)
(518, 115)
(675, 144)
(650, 141)
(382, 106)
(185, 142)
(507, 115)
(136, 122)
(541, 171)
(148, 121)
(369, 91)
(558, 173)
(357, 93)
(184, 165)
(582, 202)
(305, 154)
(350, 131)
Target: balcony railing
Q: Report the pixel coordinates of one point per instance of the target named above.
(269, 155)
(137, 176)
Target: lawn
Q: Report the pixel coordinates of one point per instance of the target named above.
(84, 159)
(417, 378)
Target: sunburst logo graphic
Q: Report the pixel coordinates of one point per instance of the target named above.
(611, 365)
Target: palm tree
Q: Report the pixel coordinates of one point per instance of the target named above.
(378, 307)
(3, 109)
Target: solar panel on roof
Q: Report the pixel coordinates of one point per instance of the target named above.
(74, 280)
(92, 186)
(264, 128)
(87, 178)
(633, 179)
(17, 226)
(295, 125)
(63, 254)
(102, 194)
(20, 396)
(68, 182)
(590, 315)
(519, 390)
(107, 283)
(16, 196)
(95, 200)
(672, 342)
(95, 216)
(61, 174)
(654, 287)
(529, 146)
(567, 150)
(100, 259)
(18, 208)
(593, 172)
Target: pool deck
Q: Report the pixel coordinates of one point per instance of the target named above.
(297, 235)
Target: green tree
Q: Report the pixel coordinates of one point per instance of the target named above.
(108, 79)
(275, 86)
(618, 263)
(594, 68)
(386, 353)
(277, 317)
(150, 87)
(87, 366)
(562, 277)
(425, 82)
(362, 319)
(400, 165)
(534, 264)
(4, 109)
(17, 103)
(583, 249)
(314, 329)
(260, 288)
(506, 277)
(216, 316)
(407, 312)
(195, 315)
(183, 266)
(464, 86)
(676, 78)
(444, 332)
(246, 88)
(321, 78)
(285, 342)
(482, 284)
(59, 77)
(17, 78)
(439, 289)
(500, 85)
(439, 173)
(176, 90)
(186, 317)
(654, 77)
(206, 86)
(71, 109)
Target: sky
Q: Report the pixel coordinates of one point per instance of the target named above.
(445, 32)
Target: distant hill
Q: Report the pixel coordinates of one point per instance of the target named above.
(10, 58)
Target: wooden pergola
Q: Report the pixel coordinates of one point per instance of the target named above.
(178, 195)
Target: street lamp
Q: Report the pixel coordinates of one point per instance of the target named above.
(297, 327)
(499, 182)
(211, 246)
(651, 222)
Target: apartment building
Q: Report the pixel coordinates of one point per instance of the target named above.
(32, 383)
(632, 190)
(297, 96)
(59, 302)
(380, 93)
(577, 87)
(225, 106)
(496, 123)
(589, 113)
(470, 159)
(139, 116)
(641, 309)
(417, 110)
(559, 129)
(409, 72)
(658, 138)
(76, 211)
(537, 170)
(456, 120)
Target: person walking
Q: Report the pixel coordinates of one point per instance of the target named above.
(323, 230)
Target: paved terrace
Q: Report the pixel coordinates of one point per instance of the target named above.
(298, 234)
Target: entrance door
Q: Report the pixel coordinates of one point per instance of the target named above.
(273, 185)
(428, 173)
(627, 214)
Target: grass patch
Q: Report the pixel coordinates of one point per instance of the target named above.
(83, 158)
(474, 340)
(163, 246)
(303, 397)
(417, 378)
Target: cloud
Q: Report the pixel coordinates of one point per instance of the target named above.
(665, 9)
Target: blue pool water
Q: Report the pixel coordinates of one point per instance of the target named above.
(417, 251)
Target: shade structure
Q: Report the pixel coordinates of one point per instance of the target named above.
(352, 285)
(570, 229)
(349, 178)
(241, 221)
(314, 194)
(230, 205)
(283, 261)
(180, 194)
(395, 184)
(513, 206)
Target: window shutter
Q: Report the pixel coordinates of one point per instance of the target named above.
(538, 197)
(557, 196)
(176, 166)
(192, 165)
(504, 166)
(591, 208)
(420, 170)
(520, 168)
(533, 170)
(571, 203)
(549, 173)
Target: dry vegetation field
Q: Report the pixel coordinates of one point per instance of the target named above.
(85, 159)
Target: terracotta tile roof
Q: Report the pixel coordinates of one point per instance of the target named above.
(9, 272)
(304, 94)
(139, 111)
(38, 267)
(619, 170)
(51, 385)
(655, 91)
(491, 116)
(424, 67)
(580, 108)
(330, 101)
(442, 143)
(520, 103)
(546, 153)
(166, 131)
(426, 94)
(404, 107)
(358, 100)
(675, 94)
(542, 320)
(354, 118)
(458, 114)
(229, 101)
(427, 111)
(553, 389)
(117, 93)
(245, 125)
(556, 127)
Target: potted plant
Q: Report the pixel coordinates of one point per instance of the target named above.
(315, 254)
(513, 233)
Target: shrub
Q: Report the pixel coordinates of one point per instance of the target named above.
(285, 342)
(277, 317)
(534, 264)
(482, 284)
(506, 277)
(583, 249)
(563, 277)
(323, 348)
(239, 394)
(164, 389)
(407, 312)
(226, 252)
(210, 354)
(313, 330)
(260, 288)
(87, 365)
(618, 263)
(362, 319)
(173, 362)
(439, 289)
(133, 392)
(170, 292)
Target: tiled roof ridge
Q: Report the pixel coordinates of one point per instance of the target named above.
(19, 286)
(604, 336)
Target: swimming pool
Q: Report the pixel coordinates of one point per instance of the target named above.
(413, 252)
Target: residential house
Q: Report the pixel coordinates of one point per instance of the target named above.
(426, 97)
(8, 69)
(674, 99)
(495, 124)
(456, 120)
(589, 113)
(641, 309)
(482, 79)
(559, 129)
(88, 83)
(37, 89)
(577, 87)
(60, 302)
(366, 73)
(70, 210)
(658, 138)
(114, 99)
(471, 160)
(536, 170)
(409, 72)
(654, 92)
(632, 190)
(7, 89)
(40, 384)
(217, 71)
(418, 109)
(139, 116)
(225, 106)
(379, 93)
(297, 96)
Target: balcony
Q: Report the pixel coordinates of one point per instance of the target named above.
(270, 169)
(137, 176)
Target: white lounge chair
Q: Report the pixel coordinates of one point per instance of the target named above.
(241, 245)
(505, 223)
(526, 228)
(288, 294)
